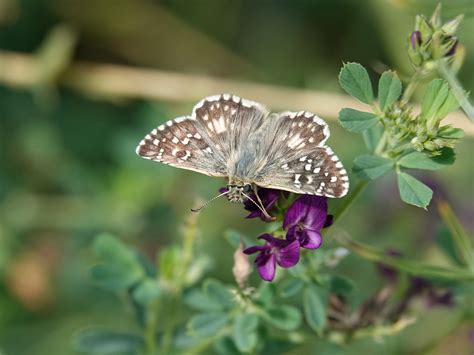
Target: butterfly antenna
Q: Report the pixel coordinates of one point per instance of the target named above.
(208, 202)
(261, 208)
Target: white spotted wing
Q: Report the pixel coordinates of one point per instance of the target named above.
(207, 140)
(238, 139)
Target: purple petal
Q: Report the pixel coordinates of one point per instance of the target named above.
(317, 213)
(289, 255)
(312, 239)
(268, 196)
(415, 39)
(223, 189)
(329, 221)
(311, 210)
(274, 242)
(254, 249)
(254, 214)
(267, 270)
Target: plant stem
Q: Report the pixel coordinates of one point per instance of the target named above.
(411, 87)
(347, 202)
(190, 232)
(456, 88)
(411, 267)
(150, 328)
(461, 240)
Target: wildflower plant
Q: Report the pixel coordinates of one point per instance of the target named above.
(301, 297)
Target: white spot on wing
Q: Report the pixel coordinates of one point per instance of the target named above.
(220, 125)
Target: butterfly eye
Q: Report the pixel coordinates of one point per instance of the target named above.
(247, 189)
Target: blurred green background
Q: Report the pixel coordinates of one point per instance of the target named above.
(68, 169)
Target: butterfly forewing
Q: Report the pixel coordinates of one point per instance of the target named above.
(207, 141)
(229, 121)
(179, 143)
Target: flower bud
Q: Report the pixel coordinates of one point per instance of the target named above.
(450, 27)
(435, 19)
(415, 39)
(242, 267)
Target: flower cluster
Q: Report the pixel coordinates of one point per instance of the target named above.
(302, 223)
(432, 41)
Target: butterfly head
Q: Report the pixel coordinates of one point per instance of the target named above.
(237, 193)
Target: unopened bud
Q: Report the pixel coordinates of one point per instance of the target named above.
(242, 267)
(451, 27)
(435, 20)
(415, 39)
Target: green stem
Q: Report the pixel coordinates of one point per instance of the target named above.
(361, 185)
(150, 328)
(347, 202)
(410, 267)
(188, 243)
(464, 249)
(411, 87)
(456, 88)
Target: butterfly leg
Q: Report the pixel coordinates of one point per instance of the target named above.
(255, 191)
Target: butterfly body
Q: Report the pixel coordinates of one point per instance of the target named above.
(240, 140)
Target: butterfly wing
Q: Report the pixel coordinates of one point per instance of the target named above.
(295, 158)
(208, 140)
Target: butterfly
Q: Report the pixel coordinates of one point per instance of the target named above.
(241, 140)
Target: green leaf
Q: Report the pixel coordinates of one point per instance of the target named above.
(412, 191)
(266, 293)
(314, 309)
(370, 167)
(290, 287)
(418, 160)
(219, 293)
(147, 292)
(357, 121)
(341, 285)
(207, 324)
(435, 96)
(283, 317)
(120, 268)
(450, 132)
(245, 332)
(225, 346)
(355, 80)
(449, 105)
(95, 341)
(201, 301)
(390, 89)
(372, 137)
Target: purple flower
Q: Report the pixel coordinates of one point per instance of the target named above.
(304, 220)
(268, 197)
(275, 251)
(415, 39)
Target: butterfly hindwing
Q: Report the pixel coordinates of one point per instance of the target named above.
(297, 158)
(318, 173)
